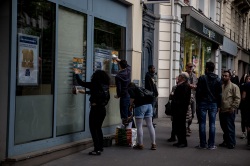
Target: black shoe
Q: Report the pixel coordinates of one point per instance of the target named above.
(171, 140)
(154, 125)
(176, 144)
(223, 144)
(182, 145)
(96, 153)
(101, 150)
(230, 146)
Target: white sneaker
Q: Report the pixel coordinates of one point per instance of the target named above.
(243, 136)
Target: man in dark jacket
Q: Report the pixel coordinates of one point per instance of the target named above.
(179, 104)
(122, 80)
(151, 86)
(208, 98)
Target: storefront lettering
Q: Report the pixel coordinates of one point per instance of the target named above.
(208, 32)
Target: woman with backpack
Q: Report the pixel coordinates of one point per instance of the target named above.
(99, 97)
(142, 110)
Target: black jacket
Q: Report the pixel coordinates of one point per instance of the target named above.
(150, 84)
(214, 84)
(94, 87)
(122, 79)
(181, 98)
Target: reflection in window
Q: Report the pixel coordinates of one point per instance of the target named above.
(35, 70)
(109, 42)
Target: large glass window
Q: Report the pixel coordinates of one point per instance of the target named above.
(35, 70)
(109, 42)
(196, 50)
(72, 34)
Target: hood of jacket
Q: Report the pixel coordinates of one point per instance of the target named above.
(124, 74)
(211, 75)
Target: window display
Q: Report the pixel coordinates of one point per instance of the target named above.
(109, 42)
(196, 50)
(35, 70)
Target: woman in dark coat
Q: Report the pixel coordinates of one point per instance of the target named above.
(99, 97)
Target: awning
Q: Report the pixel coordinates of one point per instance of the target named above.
(229, 46)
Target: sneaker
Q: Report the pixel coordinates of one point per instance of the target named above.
(230, 146)
(243, 136)
(95, 153)
(138, 146)
(200, 147)
(212, 147)
(154, 125)
(153, 147)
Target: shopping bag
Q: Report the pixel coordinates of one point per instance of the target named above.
(125, 137)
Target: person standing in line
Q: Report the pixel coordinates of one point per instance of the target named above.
(151, 86)
(229, 104)
(122, 80)
(100, 82)
(246, 99)
(208, 98)
(243, 110)
(180, 102)
(173, 133)
(235, 78)
(142, 110)
(192, 80)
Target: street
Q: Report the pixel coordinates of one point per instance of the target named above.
(166, 154)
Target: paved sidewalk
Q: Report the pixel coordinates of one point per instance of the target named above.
(165, 154)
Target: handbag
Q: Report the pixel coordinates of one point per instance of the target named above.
(168, 110)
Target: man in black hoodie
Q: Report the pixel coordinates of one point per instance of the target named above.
(208, 98)
(151, 86)
(122, 80)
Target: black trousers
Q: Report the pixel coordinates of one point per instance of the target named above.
(179, 126)
(96, 118)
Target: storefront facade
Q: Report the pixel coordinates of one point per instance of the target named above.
(46, 40)
(200, 41)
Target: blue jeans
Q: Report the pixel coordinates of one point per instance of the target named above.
(227, 125)
(211, 109)
(124, 107)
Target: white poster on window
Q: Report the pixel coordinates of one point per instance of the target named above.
(28, 49)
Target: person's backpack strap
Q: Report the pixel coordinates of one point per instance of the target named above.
(208, 89)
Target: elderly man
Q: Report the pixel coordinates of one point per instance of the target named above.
(180, 102)
(230, 103)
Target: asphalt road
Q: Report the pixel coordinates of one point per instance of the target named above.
(165, 154)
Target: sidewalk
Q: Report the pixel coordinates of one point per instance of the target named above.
(165, 154)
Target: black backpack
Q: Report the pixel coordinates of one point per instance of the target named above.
(103, 95)
(144, 93)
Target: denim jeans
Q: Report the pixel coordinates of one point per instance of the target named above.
(228, 127)
(211, 109)
(124, 107)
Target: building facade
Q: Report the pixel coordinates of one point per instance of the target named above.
(198, 31)
(42, 41)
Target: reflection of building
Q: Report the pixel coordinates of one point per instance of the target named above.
(48, 115)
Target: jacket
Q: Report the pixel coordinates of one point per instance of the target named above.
(122, 79)
(150, 83)
(181, 99)
(230, 97)
(214, 84)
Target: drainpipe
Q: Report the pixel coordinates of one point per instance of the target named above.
(171, 47)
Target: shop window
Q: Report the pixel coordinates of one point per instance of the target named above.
(35, 70)
(196, 50)
(109, 43)
(72, 34)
